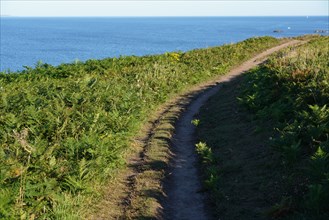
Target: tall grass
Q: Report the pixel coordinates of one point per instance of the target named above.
(65, 129)
(292, 91)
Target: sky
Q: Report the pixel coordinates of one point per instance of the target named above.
(36, 8)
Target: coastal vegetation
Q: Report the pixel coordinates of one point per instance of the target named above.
(264, 139)
(65, 130)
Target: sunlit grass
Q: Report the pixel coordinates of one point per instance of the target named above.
(65, 129)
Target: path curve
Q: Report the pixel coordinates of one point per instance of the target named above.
(183, 187)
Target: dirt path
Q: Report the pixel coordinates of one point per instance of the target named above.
(148, 188)
(184, 198)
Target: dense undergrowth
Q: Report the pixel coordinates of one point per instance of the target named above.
(292, 91)
(287, 98)
(64, 130)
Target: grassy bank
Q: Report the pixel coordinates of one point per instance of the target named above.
(65, 130)
(265, 143)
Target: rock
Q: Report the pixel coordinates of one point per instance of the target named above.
(320, 31)
(278, 31)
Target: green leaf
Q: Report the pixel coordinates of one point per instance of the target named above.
(52, 161)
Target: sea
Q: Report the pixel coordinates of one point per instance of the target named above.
(25, 41)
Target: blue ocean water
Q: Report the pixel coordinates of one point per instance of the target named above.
(25, 41)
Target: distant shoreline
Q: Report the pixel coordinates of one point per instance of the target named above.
(66, 39)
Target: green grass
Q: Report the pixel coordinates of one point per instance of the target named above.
(64, 130)
(235, 159)
(285, 102)
(293, 90)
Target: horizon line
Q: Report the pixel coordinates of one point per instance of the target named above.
(155, 16)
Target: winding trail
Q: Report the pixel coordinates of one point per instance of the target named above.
(183, 187)
(162, 178)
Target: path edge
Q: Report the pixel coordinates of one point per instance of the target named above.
(142, 184)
